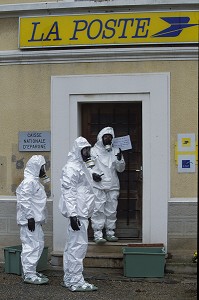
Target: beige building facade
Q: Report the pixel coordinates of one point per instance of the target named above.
(62, 88)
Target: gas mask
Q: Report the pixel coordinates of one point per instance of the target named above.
(43, 175)
(86, 156)
(107, 141)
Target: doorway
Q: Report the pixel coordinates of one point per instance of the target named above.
(126, 119)
(68, 93)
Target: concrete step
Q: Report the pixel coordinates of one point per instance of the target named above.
(115, 261)
(110, 255)
(116, 247)
(184, 255)
(56, 259)
(93, 259)
(180, 268)
(180, 262)
(108, 247)
(104, 260)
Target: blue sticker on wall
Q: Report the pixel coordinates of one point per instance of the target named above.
(186, 164)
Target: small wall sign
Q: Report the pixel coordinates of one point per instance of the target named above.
(186, 163)
(186, 142)
(36, 141)
(186, 148)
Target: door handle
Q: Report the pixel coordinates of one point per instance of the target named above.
(137, 170)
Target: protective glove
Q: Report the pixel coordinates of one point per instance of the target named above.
(75, 223)
(96, 177)
(31, 224)
(119, 154)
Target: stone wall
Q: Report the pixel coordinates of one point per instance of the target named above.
(182, 228)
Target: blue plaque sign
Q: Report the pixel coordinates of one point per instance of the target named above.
(34, 141)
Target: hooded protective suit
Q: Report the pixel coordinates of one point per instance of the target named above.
(77, 200)
(107, 190)
(31, 204)
(77, 197)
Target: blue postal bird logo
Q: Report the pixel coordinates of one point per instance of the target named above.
(177, 24)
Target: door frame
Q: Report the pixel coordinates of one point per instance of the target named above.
(152, 89)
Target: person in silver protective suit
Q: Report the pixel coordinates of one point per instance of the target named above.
(31, 214)
(77, 204)
(108, 160)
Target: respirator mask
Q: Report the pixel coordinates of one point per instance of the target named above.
(107, 141)
(43, 175)
(86, 156)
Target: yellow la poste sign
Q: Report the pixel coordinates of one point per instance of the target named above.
(109, 29)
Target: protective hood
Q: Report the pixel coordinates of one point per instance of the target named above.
(79, 144)
(106, 130)
(33, 166)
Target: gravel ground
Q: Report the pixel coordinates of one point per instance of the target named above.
(111, 283)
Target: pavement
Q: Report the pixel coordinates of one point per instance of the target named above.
(111, 283)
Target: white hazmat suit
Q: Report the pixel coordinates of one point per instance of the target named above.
(31, 206)
(107, 190)
(76, 203)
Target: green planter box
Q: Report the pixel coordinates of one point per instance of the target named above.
(144, 261)
(12, 257)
